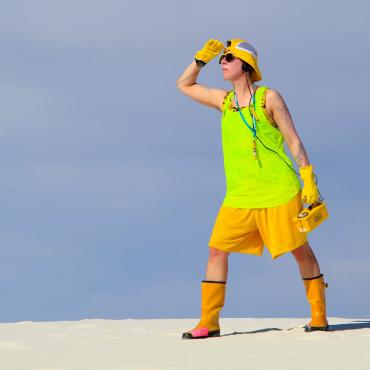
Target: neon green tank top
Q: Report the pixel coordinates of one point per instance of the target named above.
(254, 183)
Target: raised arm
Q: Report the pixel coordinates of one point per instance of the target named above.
(187, 82)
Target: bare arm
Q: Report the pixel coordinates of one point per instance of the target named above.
(281, 115)
(187, 83)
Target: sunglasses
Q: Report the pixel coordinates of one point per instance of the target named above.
(229, 57)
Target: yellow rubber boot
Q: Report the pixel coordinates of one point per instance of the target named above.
(315, 290)
(213, 298)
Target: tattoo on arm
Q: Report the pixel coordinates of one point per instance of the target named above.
(284, 110)
(301, 154)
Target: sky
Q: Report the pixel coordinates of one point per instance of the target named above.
(111, 178)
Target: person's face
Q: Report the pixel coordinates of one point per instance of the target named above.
(231, 70)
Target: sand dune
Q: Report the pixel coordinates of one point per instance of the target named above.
(263, 343)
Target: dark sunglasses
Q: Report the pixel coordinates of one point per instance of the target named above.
(229, 57)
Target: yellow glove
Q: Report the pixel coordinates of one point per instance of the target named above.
(210, 50)
(310, 192)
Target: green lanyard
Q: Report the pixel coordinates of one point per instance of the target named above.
(253, 128)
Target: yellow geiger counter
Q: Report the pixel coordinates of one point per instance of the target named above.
(311, 217)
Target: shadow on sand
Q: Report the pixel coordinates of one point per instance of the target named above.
(251, 332)
(355, 325)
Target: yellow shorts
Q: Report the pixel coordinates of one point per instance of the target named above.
(247, 230)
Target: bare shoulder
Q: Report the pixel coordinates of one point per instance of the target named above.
(274, 102)
(216, 98)
(219, 96)
(273, 97)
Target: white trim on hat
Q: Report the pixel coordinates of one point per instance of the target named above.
(248, 48)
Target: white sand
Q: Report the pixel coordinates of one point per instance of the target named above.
(266, 344)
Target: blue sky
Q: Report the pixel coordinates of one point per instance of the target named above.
(112, 179)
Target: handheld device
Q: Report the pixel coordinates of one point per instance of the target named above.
(311, 217)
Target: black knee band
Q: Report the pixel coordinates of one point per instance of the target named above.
(313, 278)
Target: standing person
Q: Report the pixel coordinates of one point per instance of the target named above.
(263, 193)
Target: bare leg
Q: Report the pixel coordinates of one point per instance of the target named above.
(217, 265)
(213, 296)
(307, 262)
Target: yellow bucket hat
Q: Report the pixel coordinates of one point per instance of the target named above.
(245, 51)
